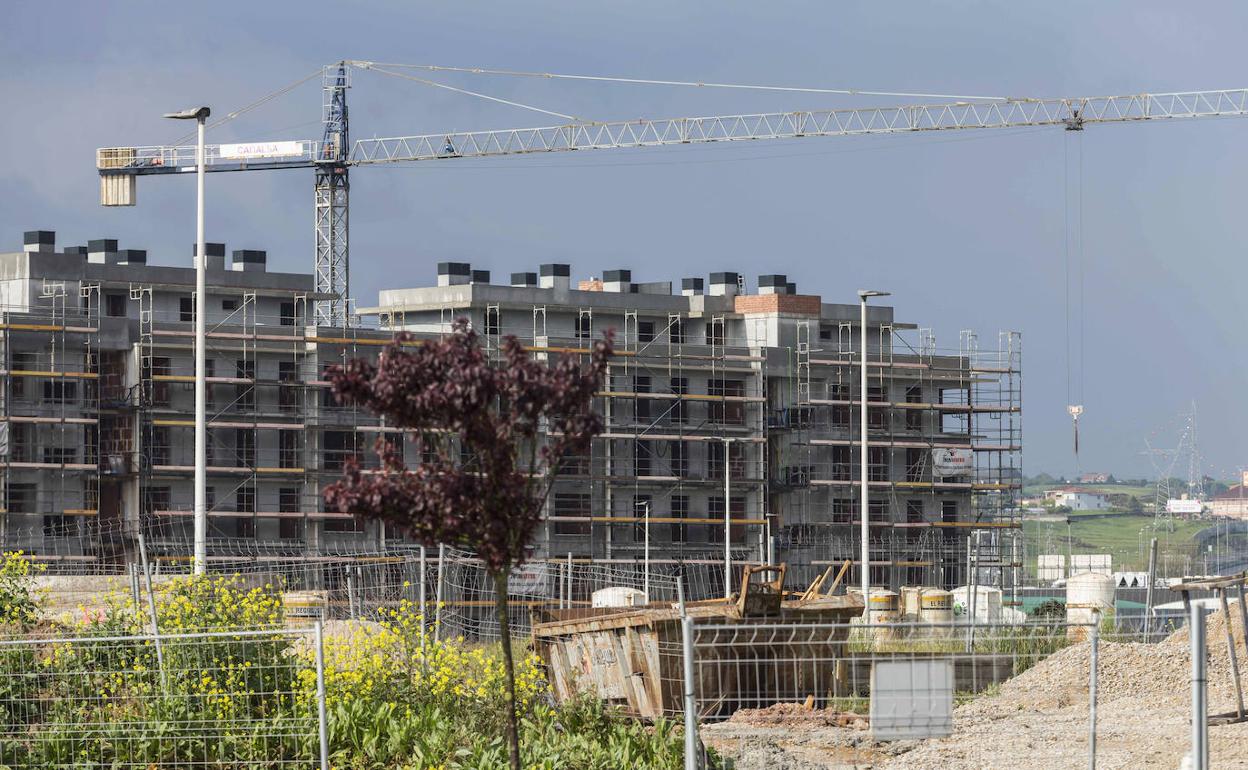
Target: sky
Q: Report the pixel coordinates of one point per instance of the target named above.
(969, 230)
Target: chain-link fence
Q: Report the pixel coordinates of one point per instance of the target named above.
(238, 699)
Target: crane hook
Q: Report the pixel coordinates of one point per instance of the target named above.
(1075, 410)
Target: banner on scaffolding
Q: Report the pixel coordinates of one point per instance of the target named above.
(529, 579)
(952, 462)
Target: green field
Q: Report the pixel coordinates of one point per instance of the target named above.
(1124, 536)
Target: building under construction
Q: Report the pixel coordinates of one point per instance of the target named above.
(768, 383)
(729, 414)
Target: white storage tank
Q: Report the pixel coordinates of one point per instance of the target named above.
(936, 606)
(1088, 595)
(987, 604)
(911, 598)
(618, 596)
(882, 610)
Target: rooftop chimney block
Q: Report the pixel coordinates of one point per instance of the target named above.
(555, 276)
(247, 260)
(724, 285)
(216, 255)
(691, 287)
(102, 251)
(524, 279)
(480, 276)
(132, 257)
(78, 251)
(454, 273)
(620, 281)
(43, 241)
(773, 284)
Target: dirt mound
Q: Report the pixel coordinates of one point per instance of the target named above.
(796, 715)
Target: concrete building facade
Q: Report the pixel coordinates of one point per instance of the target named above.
(769, 379)
(97, 419)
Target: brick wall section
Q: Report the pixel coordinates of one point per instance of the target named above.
(799, 304)
(591, 285)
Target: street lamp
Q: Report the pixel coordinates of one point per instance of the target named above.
(727, 518)
(865, 531)
(199, 115)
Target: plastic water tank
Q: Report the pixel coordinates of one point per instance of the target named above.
(936, 606)
(1088, 594)
(911, 602)
(618, 596)
(882, 611)
(987, 604)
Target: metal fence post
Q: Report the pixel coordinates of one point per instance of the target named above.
(322, 721)
(1093, 642)
(437, 594)
(151, 608)
(350, 594)
(692, 749)
(1200, 720)
(424, 606)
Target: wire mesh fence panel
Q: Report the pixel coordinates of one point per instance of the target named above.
(829, 665)
(238, 699)
(850, 691)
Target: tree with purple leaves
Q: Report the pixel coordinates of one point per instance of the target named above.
(496, 436)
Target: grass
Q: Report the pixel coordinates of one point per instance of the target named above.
(1119, 535)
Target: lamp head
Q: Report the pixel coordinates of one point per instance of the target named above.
(193, 113)
(865, 293)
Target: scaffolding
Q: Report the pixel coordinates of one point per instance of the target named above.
(922, 402)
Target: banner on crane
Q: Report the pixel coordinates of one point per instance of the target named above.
(952, 462)
(261, 150)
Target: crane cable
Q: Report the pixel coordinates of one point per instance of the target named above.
(477, 94)
(248, 108)
(1074, 381)
(689, 83)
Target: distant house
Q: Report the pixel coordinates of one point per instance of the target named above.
(1078, 499)
(1233, 502)
(1095, 478)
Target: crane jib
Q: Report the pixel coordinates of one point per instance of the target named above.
(330, 156)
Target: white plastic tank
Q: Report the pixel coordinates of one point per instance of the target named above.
(936, 606)
(911, 598)
(1088, 595)
(882, 610)
(987, 604)
(618, 596)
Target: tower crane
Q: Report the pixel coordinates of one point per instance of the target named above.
(333, 154)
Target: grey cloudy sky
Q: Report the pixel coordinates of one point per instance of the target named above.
(966, 229)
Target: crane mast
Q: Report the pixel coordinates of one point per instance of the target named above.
(333, 155)
(333, 189)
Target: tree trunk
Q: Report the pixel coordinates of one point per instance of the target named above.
(504, 635)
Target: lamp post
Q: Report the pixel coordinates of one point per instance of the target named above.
(199, 115)
(865, 494)
(645, 580)
(727, 518)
